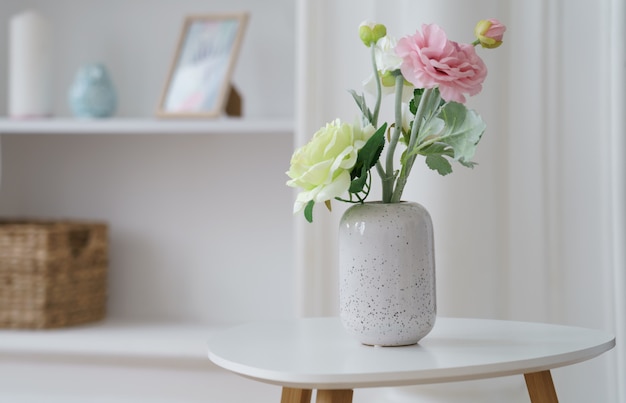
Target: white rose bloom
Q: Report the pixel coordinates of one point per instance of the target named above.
(385, 54)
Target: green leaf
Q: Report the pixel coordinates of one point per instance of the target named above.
(360, 101)
(369, 154)
(429, 124)
(432, 127)
(438, 149)
(308, 211)
(439, 163)
(468, 164)
(417, 95)
(463, 130)
(357, 185)
(372, 149)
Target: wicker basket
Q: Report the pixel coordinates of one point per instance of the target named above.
(52, 273)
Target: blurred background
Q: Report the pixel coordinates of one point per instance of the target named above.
(201, 225)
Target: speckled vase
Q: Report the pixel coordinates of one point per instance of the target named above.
(387, 273)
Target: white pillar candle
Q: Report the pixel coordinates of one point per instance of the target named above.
(30, 76)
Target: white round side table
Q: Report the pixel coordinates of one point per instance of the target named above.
(305, 354)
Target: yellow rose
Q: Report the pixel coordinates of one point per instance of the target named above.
(322, 167)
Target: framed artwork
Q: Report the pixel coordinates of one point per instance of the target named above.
(199, 80)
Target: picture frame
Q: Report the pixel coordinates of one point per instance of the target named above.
(199, 81)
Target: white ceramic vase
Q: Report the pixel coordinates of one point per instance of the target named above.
(387, 273)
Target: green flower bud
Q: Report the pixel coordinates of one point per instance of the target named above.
(387, 79)
(365, 33)
(370, 33)
(379, 31)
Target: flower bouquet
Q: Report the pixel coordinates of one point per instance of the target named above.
(430, 76)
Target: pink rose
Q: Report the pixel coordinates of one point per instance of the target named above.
(429, 60)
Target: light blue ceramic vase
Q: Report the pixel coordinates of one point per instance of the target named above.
(92, 94)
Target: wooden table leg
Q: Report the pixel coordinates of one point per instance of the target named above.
(540, 387)
(292, 395)
(334, 396)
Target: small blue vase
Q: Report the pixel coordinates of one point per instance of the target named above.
(92, 94)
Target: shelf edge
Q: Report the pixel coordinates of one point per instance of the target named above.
(113, 342)
(147, 126)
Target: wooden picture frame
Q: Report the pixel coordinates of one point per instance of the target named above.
(199, 80)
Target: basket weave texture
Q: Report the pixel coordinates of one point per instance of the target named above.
(52, 273)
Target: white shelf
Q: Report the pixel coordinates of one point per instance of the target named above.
(124, 126)
(113, 340)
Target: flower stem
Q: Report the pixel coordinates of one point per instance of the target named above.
(424, 106)
(386, 177)
(389, 180)
(378, 87)
(386, 185)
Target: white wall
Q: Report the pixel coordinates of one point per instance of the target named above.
(136, 40)
(527, 234)
(617, 123)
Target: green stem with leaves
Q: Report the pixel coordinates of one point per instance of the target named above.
(427, 100)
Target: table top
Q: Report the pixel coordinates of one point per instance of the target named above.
(316, 353)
